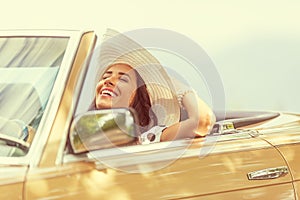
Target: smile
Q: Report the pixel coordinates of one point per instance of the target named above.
(107, 92)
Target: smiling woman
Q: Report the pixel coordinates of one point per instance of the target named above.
(122, 86)
(130, 77)
(124, 78)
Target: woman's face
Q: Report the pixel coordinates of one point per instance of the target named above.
(116, 88)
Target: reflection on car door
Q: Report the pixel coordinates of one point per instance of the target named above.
(222, 173)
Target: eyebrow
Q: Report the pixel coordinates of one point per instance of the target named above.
(120, 73)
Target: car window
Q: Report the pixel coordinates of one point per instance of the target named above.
(28, 68)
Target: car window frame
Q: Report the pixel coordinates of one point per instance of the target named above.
(34, 154)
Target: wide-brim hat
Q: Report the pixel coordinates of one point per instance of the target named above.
(118, 48)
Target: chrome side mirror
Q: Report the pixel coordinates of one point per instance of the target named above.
(102, 129)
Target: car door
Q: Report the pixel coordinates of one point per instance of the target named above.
(212, 168)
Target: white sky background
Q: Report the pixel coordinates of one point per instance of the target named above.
(254, 44)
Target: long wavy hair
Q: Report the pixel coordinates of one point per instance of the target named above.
(141, 104)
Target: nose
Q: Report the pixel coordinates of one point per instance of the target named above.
(110, 81)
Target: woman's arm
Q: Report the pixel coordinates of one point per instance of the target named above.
(199, 122)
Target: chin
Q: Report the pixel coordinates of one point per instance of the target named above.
(103, 106)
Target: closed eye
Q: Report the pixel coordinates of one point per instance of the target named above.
(124, 79)
(106, 75)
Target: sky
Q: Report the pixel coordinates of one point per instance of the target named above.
(254, 44)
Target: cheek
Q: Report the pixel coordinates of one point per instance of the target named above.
(128, 92)
(98, 87)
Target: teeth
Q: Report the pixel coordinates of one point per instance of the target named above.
(108, 92)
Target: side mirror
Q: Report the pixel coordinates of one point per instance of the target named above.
(102, 129)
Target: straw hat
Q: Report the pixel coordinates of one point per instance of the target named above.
(118, 48)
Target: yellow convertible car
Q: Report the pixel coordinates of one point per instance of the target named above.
(49, 153)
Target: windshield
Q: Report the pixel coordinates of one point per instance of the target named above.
(28, 69)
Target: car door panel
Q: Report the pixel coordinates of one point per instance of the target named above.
(222, 171)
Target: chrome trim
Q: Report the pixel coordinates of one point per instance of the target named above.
(165, 151)
(46, 124)
(75, 99)
(38, 32)
(269, 173)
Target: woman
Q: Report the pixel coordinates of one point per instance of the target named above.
(118, 87)
(134, 78)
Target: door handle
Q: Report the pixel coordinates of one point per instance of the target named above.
(269, 173)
